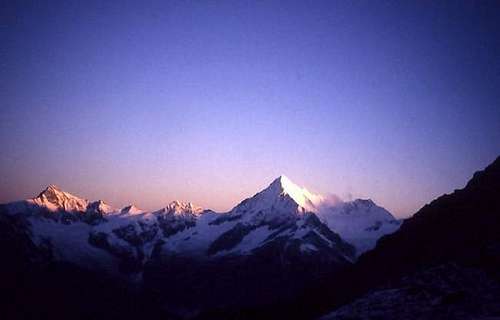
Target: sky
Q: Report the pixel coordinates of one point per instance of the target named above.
(209, 101)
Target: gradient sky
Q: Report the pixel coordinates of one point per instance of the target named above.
(209, 101)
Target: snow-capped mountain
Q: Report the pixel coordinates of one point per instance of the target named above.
(281, 196)
(131, 209)
(55, 199)
(282, 215)
(281, 211)
(274, 214)
(359, 222)
(282, 232)
(259, 245)
(284, 247)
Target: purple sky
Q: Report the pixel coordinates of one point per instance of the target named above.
(209, 101)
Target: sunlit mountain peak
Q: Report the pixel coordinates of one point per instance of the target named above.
(300, 195)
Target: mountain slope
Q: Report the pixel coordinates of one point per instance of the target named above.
(259, 245)
(359, 222)
(461, 226)
(461, 230)
(248, 256)
(447, 291)
(281, 211)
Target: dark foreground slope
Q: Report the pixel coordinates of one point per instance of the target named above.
(445, 259)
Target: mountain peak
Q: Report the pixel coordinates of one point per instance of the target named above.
(53, 192)
(281, 196)
(53, 187)
(50, 190)
(364, 202)
(101, 207)
(131, 209)
(179, 207)
(54, 198)
(283, 182)
(284, 186)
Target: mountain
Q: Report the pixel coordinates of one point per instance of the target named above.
(281, 212)
(281, 233)
(359, 222)
(284, 252)
(260, 245)
(443, 262)
(131, 209)
(55, 199)
(462, 227)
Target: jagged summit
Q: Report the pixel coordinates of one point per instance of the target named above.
(101, 207)
(54, 190)
(361, 222)
(283, 182)
(131, 209)
(282, 196)
(54, 198)
(51, 189)
(284, 186)
(178, 207)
